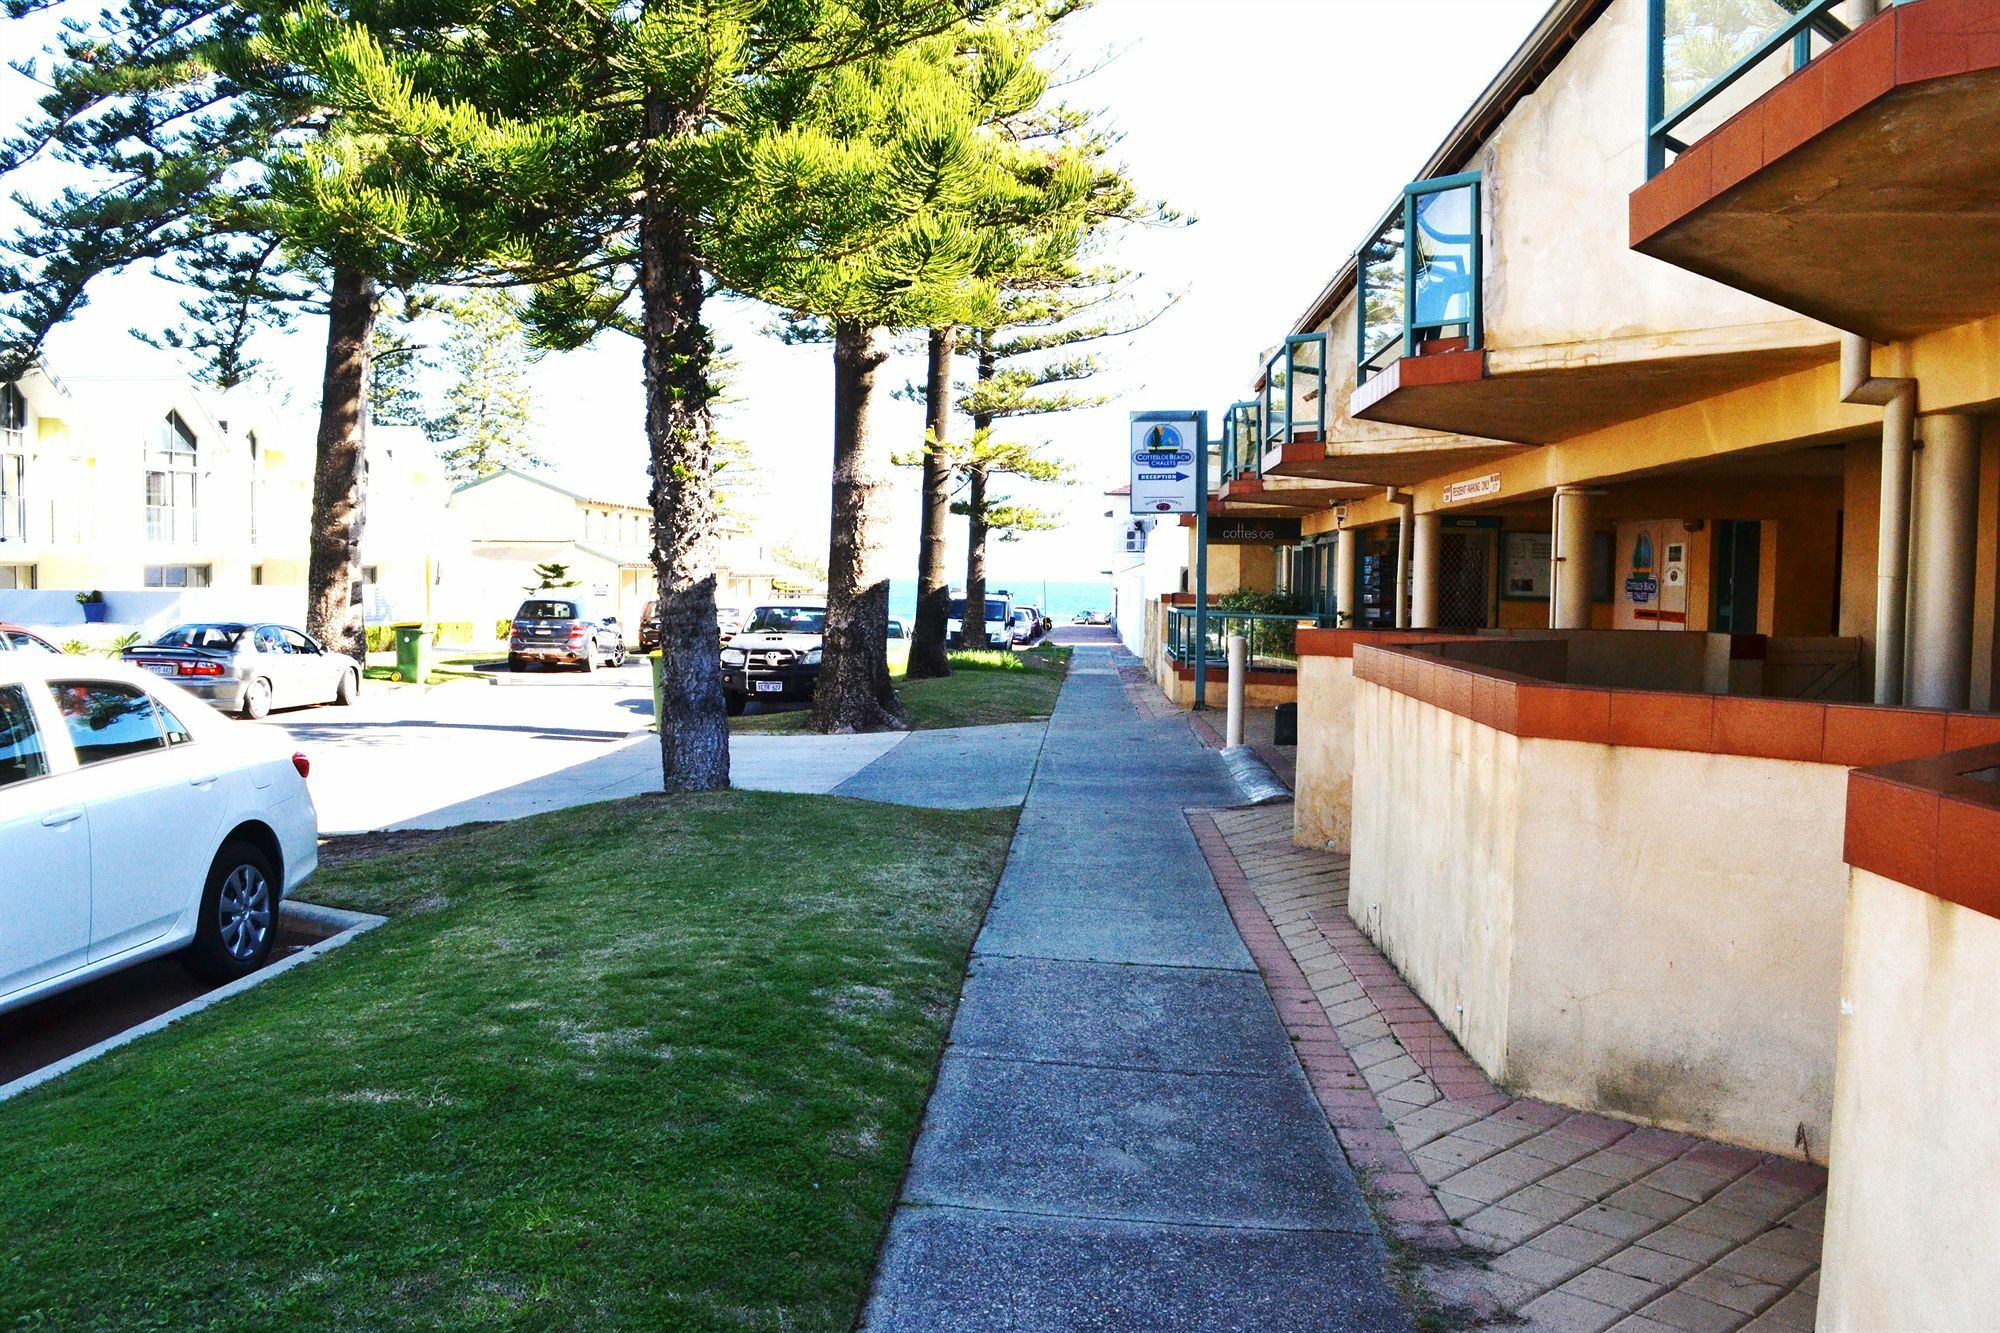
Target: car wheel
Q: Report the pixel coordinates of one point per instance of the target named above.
(257, 698)
(590, 659)
(349, 690)
(514, 663)
(618, 660)
(735, 703)
(239, 915)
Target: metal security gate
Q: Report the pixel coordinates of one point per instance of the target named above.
(1466, 585)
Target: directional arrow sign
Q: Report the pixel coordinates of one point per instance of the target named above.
(1162, 472)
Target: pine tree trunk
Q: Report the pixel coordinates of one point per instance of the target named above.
(974, 635)
(694, 729)
(853, 692)
(340, 471)
(928, 658)
(975, 525)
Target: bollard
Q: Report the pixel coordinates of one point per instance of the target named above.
(1239, 664)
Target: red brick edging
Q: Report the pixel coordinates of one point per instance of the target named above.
(1412, 1211)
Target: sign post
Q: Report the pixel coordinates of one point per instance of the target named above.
(1169, 453)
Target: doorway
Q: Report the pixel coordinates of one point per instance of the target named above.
(1466, 583)
(1738, 552)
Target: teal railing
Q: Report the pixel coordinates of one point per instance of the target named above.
(1240, 455)
(1419, 274)
(1271, 636)
(1294, 406)
(1697, 50)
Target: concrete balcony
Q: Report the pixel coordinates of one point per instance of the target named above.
(1863, 190)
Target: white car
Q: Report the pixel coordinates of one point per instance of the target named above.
(136, 821)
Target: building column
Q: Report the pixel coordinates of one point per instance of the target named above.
(1940, 640)
(1424, 572)
(1346, 581)
(1575, 521)
(1404, 539)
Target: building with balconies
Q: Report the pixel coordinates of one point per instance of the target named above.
(1646, 457)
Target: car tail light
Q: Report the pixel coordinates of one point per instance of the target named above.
(516, 628)
(201, 668)
(576, 633)
(303, 764)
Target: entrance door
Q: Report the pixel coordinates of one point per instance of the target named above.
(1738, 546)
(1465, 579)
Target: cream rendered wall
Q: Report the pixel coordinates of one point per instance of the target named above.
(1562, 288)
(1323, 797)
(1912, 1226)
(1438, 801)
(1677, 925)
(1646, 933)
(508, 508)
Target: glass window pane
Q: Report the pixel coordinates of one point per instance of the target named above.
(108, 721)
(1442, 281)
(1706, 38)
(177, 733)
(21, 755)
(1382, 296)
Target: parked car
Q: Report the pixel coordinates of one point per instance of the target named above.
(249, 668)
(14, 639)
(134, 823)
(897, 631)
(649, 627)
(1099, 618)
(564, 631)
(777, 656)
(1025, 625)
(999, 610)
(728, 623)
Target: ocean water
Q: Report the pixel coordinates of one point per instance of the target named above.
(1064, 598)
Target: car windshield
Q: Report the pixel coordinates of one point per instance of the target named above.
(787, 620)
(996, 609)
(548, 611)
(219, 637)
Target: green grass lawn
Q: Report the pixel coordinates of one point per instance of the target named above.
(443, 670)
(655, 1063)
(997, 685)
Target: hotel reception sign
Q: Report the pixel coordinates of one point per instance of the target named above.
(1163, 463)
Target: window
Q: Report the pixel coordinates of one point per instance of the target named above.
(371, 573)
(296, 642)
(271, 640)
(13, 465)
(21, 755)
(171, 461)
(20, 641)
(256, 576)
(17, 576)
(256, 485)
(109, 721)
(177, 576)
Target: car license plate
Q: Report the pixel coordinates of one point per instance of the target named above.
(162, 668)
(543, 633)
(769, 686)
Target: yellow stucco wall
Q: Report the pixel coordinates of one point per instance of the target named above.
(1323, 792)
(1646, 933)
(1912, 1226)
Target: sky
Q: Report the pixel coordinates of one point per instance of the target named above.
(1274, 125)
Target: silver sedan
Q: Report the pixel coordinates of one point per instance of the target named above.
(249, 668)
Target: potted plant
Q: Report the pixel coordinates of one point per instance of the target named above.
(92, 603)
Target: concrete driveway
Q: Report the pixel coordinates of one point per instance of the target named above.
(406, 758)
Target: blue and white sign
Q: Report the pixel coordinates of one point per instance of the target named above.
(1163, 471)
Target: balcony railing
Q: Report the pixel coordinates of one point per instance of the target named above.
(1295, 391)
(1697, 50)
(1241, 455)
(13, 519)
(1420, 275)
(1272, 637)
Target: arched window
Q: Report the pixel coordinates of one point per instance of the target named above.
(171, 458)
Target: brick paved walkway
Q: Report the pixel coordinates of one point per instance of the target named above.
(1575, 1223)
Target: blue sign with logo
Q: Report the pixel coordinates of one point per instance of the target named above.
(1642, 588)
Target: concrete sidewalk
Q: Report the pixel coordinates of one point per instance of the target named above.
(1121, 1136)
